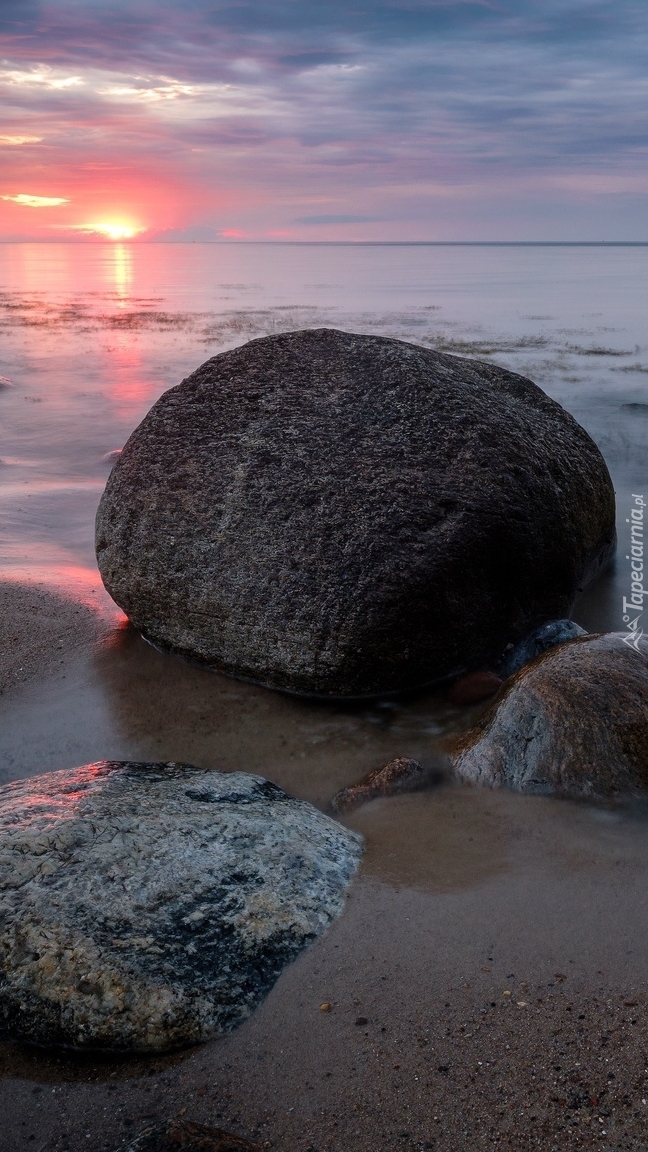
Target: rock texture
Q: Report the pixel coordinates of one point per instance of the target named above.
(173, 1135)
(399, 775)
(345, 515)
(146, 906)
(541, 640)
(574, 722)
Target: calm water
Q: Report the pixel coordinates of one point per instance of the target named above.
(92, 334)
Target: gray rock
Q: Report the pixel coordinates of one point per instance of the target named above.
(147, 906)
(345, 515)
(546, 636)
(574, 722)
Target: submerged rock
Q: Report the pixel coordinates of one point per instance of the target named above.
(574, 722)
(344, 515)
(146, 906)
(546, 636)
(399, 775)
(474, 687)
(172, 1135)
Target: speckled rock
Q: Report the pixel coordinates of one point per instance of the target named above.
(173, 1135)
(574, 722)
(547, 636)
(146, 906)
(345, 515)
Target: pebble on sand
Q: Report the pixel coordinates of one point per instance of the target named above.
(399, 775)
(173, 1135)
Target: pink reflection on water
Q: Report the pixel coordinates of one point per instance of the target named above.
(130, 390)
(76, 323)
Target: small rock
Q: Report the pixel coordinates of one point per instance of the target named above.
(546, 636)
(361, 1020)
(5, 382)
(573, 722)
(399, 775)
(473, 687)
(326, 1007)
(172, 1135)
(146, 906)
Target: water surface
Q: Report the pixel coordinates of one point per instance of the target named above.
(92, 334)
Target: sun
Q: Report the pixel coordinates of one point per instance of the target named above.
(114, 231)
(109, 229)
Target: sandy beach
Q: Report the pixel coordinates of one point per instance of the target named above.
(39, 628)
(486, 982)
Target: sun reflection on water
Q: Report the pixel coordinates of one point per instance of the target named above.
(121, 272)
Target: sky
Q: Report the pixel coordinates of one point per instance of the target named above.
(355, 120)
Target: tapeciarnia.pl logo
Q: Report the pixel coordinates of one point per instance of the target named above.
(633, 607)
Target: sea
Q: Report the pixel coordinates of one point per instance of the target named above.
(91, 335)
(476, 914)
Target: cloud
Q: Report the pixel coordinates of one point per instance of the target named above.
(168, 90)
(41, 76)
(333, 219)
(36, 201)
(275, 103)
(14, 141)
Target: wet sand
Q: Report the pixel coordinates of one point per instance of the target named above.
(39, 627)
(486, 981)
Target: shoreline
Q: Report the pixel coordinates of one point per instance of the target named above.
(464, 896)
(39, 627)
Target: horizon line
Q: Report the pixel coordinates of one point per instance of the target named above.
(357, 243)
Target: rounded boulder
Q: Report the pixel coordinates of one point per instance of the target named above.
(343, 515)
(573, 722)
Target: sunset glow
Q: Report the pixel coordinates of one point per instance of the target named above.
(15, 141)
(111, 230)
(386, 121)
(29, 201)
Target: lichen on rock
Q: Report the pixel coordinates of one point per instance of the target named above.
(148, 906)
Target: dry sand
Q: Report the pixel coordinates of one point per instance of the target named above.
(487, 980)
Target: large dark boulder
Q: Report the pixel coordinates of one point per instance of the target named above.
(346, 515)
(573, 722)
